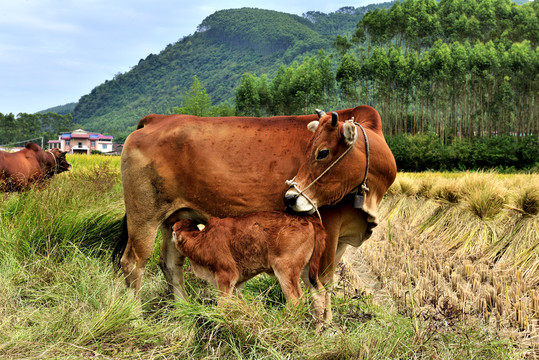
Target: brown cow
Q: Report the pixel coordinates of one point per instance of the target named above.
(181, 166)
(30, 165)
(230, 251)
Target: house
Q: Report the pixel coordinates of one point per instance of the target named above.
(82, 142)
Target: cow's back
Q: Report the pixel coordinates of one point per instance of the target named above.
(17, 169)
(215, 166)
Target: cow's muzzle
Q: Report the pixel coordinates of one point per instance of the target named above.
(296, 201)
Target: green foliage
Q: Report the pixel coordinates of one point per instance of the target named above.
(197, 101)
(456, 68)
(61, 110)
(14, 129)
(426, 152)
(297, 89)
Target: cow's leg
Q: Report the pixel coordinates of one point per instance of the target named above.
(141, 239)
(171, 263)
(341, 247)
(328, 262)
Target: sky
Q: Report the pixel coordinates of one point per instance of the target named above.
(52, 52)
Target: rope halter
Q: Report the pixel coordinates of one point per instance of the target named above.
(56, 166)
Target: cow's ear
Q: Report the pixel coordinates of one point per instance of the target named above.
(313, 125)
(349, 132)
(63, 153)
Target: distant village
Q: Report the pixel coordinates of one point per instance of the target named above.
(81, 142)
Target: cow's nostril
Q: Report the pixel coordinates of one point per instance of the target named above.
(290, 200)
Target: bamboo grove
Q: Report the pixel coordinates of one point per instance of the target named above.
(456, 68)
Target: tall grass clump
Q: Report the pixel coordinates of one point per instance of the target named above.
(527, 200)
(83, 207)
(483, 194)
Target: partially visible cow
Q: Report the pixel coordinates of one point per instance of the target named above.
(30, 165)
(230, 251)
(187, 167)
(345, 161)
(343, 157)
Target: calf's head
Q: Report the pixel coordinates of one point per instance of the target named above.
(182, 225)
(333, 165)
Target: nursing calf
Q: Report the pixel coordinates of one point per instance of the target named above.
(230, 251)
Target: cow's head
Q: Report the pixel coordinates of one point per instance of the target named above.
(61, 163)
(333, 166)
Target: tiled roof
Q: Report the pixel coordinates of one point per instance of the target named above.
(75, 135)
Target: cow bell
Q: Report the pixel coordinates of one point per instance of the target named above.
(359, 199)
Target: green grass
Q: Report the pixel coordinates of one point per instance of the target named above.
(60, 297)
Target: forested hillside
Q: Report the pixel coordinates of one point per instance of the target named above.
(61, 109)
(455, 80)
(227, 44)
(460, 75)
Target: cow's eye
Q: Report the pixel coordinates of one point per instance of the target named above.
(322, 154)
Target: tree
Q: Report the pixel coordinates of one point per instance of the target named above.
(348, 75)
(247, 96)
(197, 102)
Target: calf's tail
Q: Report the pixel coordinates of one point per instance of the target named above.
(120, 246)
(319, 247)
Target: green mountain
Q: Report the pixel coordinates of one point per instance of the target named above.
(226, 44)
(60, 110)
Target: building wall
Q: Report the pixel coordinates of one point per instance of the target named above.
(82, 142)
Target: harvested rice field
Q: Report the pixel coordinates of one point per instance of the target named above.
(455, 246)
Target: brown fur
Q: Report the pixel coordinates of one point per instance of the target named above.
(186, 167)
(230, 251)
(23, 168)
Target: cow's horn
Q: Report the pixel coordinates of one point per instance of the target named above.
(334, 118)
(320, 113)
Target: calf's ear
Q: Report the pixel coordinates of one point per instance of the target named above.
(349, 132)
(313, 125)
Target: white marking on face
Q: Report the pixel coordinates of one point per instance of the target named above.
(302, 204)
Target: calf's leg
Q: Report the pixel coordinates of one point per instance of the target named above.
(225, 281)
(289, 282)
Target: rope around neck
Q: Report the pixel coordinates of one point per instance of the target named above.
(363, 186)
(55, 161)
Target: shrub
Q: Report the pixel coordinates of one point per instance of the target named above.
(426, 152)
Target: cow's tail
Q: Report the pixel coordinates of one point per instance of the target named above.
(319, 247)
(120, 246)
